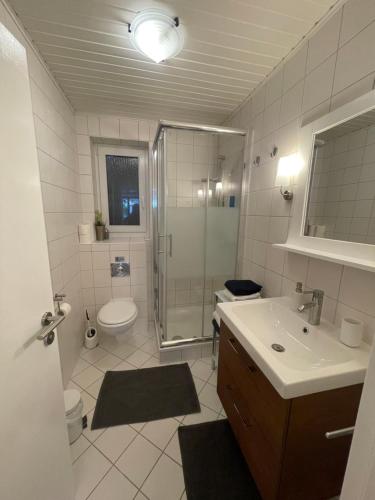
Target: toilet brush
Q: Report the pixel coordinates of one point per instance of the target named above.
(91, 335)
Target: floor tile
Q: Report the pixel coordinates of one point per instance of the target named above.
(140, 496)
(138, 460)
(184, 497)
(91, 435)
(151, 363)
(80, 366)
(201, 370)
(88, 470)
(88, 402)
(124, 351)
(165, 482)
(72, 385)
(206, 415)
(87, 376)
(108, 362)
(78, 447)
(114, 440)
(114, 486)
(136, 340)
(124, 365)
(173, 449)
(138, 358)
(208, 396)
(213, 379)
(159, 432)
(94, 388)
(93, 355)
(199, 384)
(150, 346)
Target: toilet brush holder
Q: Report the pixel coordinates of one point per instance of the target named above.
(91, 338)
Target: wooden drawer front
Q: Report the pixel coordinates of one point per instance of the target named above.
(263, 403)
(262, 462)
(314, 466)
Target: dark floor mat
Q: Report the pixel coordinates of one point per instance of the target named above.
(132, 396)
(214, 468)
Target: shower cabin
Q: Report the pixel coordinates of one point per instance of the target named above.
(196, 196)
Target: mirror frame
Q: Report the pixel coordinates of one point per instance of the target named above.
(359, 255)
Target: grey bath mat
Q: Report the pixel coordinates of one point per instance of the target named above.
(132, 396)
(214, 468)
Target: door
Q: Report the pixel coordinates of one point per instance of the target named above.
(34, 452)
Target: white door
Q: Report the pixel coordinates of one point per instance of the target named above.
(34, 451)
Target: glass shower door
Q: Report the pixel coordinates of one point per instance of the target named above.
(185, 229)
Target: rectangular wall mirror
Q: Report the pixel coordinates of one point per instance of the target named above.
(333, 214)
(341, 200)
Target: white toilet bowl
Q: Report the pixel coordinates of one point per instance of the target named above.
(117, 316)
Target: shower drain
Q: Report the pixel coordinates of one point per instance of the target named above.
(278, 347)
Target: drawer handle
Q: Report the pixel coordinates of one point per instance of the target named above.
(245, 423)
(347, 431)
(231, 343)
(252, 368)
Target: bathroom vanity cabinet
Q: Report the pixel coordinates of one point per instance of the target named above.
(283, 440)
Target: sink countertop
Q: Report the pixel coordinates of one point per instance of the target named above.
(312, 362)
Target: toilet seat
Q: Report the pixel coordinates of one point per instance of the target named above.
(117, 313)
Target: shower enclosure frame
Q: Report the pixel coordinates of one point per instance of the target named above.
(157, 180)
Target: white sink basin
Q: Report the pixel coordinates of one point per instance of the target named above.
(313, 358)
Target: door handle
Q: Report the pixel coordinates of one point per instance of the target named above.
(49, 323)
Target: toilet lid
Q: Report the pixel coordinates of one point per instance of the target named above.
(72, 397)
(118, 311)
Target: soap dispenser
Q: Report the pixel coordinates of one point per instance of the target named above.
(297, 296)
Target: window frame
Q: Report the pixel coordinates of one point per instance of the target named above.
(103, 186)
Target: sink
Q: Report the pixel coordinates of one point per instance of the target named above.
(297, 358)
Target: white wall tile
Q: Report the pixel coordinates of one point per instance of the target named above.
(324, 42)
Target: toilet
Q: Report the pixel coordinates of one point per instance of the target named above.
(117, 316)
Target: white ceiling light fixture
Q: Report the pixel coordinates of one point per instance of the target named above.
(156, 34)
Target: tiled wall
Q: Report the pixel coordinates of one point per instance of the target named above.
(97, 285)
(328, 70)
(106, 128)
(56, 143)
(343, 187)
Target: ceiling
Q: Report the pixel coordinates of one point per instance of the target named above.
(230, 46)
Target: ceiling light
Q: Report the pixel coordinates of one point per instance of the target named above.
(156, 34)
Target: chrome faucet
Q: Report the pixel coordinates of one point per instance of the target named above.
(314, 307)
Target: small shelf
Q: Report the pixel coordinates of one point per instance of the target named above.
(365, 264)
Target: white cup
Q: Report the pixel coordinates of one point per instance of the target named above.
(351, 332)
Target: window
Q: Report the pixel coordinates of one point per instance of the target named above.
(122, 188)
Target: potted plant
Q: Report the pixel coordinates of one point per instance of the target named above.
(99, 225)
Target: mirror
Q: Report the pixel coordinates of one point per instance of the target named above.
(341, 197)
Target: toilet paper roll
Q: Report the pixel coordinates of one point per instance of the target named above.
(65, 308)
(351, 332)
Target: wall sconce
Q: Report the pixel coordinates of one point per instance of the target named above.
(287, 168)
(218, 187)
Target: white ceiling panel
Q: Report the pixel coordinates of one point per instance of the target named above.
(230, 46)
